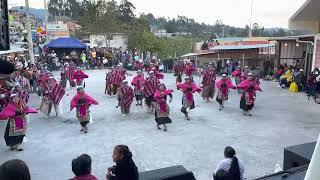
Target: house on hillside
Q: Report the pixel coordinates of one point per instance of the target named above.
(115, 40)
(56, 30)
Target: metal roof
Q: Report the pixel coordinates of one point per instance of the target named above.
(240, 47)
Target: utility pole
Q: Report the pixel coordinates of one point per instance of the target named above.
(30, 44)
(45, 15)
(250, 27)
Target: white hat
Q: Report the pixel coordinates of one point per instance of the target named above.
(151, 72)
(13, 95)
(223, 75)
(249, 74)
(301, 70)
(246, 67)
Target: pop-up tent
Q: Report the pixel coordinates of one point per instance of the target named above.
(66, 43)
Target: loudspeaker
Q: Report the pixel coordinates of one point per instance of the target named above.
(4, 26)
(297, 173)
(295, 156)
(169, 173)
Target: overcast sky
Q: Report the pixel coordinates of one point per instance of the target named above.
(267, 13)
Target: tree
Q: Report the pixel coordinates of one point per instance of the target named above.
(126, 9)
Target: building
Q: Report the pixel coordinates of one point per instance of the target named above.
(115, 40)
(251, 52)
(56, 30)
(307, 17)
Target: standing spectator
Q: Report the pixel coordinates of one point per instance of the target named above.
(81, 167)
(84, 60)
(14, 170)
(125, 168)
(231, 164)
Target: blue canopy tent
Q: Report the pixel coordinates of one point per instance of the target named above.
(66, 43)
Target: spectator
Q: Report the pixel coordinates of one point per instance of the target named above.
(81, 167)
(125, 168)
(231, 164)
(14, 170)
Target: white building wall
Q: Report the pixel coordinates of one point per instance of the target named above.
(118, 40)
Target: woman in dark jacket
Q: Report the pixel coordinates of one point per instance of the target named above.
(125, 168)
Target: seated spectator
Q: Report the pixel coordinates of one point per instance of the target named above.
(300, 79)
(14, 170)
(286, 78)
(81, 167)
(125, 168)
(231, 164)
(279, 72)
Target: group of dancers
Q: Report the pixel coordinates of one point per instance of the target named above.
(153, 91)
(14, 94)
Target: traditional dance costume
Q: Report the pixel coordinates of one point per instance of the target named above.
(223, 87)
(138, 83)
(149, 89)
(208, 83)
(188, 88)
(125, 98)
(248, 96)
(189, 70)
(79, 76)
(162, 109)
(82, 103)
(16, 113)
(179, 69)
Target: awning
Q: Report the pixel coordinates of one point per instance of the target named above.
(240, 47)
(189, 54)
(67, 43)
(307, 17)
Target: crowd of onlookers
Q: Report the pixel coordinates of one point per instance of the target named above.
(230, 168)
(297, 80)
(99, 58)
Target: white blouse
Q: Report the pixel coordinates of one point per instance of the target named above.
(226, 164)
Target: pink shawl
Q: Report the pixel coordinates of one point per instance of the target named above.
(246, 84)
(136, 84)
(236, 73)
(158, 96)
(79, 76)
(10, 112)
(189, 95)
(89, 101)
(228, 83)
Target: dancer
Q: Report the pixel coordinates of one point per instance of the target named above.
(223, 90)
(66, 75)
(162, 109)
(237, 74)
(52, 94)
(23, 94)
(178, 69)
(116, 77)
(149, 89)
(248, 97)
(138, 83)
(208, 83)
(188, 88)
(16, 113)
(189, 70)
(79, 76)
(125, 98)
(108, 89)
(82, 102)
